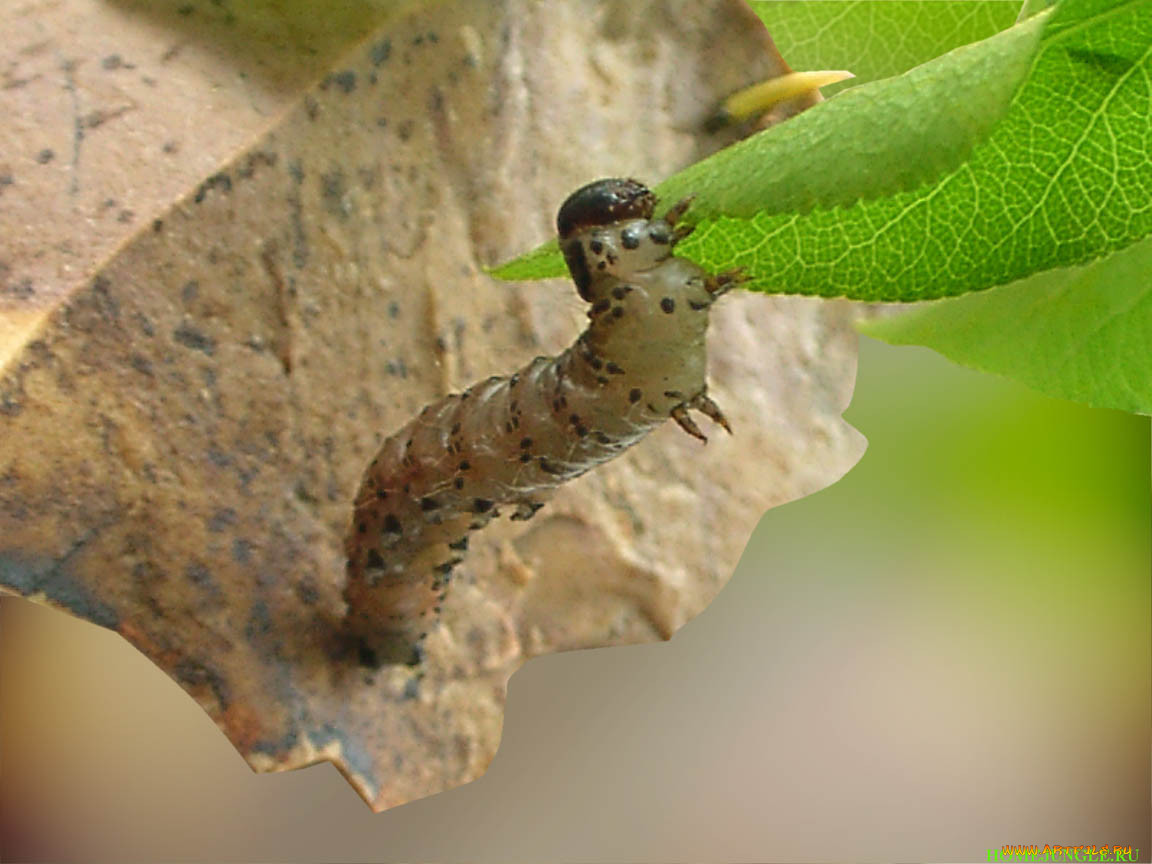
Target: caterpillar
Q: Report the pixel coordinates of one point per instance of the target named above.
(511, 441)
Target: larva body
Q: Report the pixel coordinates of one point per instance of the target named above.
(510, 441)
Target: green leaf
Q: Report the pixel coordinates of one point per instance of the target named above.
(543, 262)
(1062, 178)
(844, 149)
(1082, 333)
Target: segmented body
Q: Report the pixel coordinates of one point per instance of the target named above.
(509, 442)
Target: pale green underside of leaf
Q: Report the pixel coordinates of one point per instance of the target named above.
(877, 38)
(1082, 333)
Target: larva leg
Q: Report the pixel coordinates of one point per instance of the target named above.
(711, 410)
(678, 209)
(525, 510)
(680, 232)
(722, 283)
(685, 422)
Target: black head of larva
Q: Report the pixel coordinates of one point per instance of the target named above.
(603, 203)
(601, 227)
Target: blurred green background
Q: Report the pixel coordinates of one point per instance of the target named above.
(946, 651)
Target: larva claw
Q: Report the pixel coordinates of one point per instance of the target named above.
(680, 415)
(710, 409)
(678, 209)
(722, 283)
(525, 510)
(680, 232)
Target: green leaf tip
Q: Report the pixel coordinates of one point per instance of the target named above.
(544, 262)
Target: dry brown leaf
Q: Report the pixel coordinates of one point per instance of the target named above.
(184, 424)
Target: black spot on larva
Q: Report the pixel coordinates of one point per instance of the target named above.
(459, 545)
(374, 560)
(445, 567)
(458, 482)
(668, 305)
(380, 52)
(630, 237)
(601, 306)
(613, 369)
(464, 465)
(455, 430)
(482, 505)
(659, 233)
(525, 457)
(190, 337)
(581, 430)
(634, 395)
(429, 503)
(698, 305)
(602, 265)
(45, 156)
(621, 291)
(549, 467)
(157, 225)
(597, 247)
(617, 311)
(362, 528)
(392, 524)
(381, 494)
(525, 443)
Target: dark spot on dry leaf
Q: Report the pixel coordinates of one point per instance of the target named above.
(190, 337)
